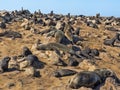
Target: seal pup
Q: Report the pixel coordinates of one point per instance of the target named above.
(110, 42)
(4, 64)
(26, 51)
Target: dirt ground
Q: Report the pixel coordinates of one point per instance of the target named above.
(9, 47)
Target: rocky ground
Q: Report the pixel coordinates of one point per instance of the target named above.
(58, 42)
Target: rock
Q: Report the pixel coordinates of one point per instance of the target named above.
(85, 79)
(85, 88)
(24, 23)
(86, 65)
(4, 64)
(19, 84)
(63, 72)
(54, 57)
(58, 25)
(30, 71)
(13, 64)
(23, 65)
(10, 85)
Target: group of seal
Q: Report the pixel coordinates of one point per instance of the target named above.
(26, 62)
(66, 43)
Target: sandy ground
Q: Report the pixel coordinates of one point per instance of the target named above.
(9, 47)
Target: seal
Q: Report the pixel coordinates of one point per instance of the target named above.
(4, 64)
(26, 51)
(58, 47)
(34, 61)
(68, 32)
(104, 73)
(110, 42)
(64, 72)
(89, 53)
(59, 35)
(85, 78)
(90, 79)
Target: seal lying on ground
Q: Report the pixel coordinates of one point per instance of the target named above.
(54, 46)
(109, 42)
(11, 34)
(64, 72)
(86, 79)
(90, 79)
(58, 47)
(89, 53)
